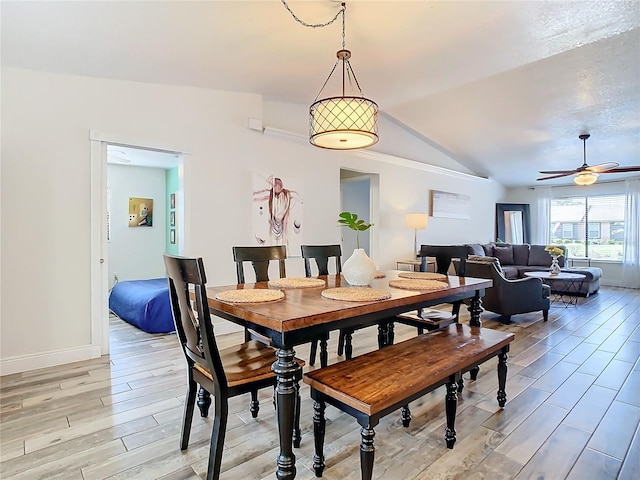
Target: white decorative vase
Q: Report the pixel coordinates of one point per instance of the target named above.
(555, 267)
(359, 269)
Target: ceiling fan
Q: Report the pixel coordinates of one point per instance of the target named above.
(585, 174)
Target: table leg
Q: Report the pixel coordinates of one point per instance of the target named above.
(288, 371)
(475, 309)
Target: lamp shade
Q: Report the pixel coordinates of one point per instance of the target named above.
(585, 178)
(343, 123)
(417, 221)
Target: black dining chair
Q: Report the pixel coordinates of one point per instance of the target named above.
(260, 258)
(225, 373)
(444, 255)
(322, 254)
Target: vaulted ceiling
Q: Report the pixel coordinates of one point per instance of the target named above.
(504, 87)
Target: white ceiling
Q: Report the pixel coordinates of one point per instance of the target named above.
(505, 87)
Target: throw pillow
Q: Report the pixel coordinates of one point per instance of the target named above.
(539, 257)
(488, 249)
(504, 254)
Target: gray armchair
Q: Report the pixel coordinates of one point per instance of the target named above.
(509, 297)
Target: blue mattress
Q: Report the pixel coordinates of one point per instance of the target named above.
(143, 303)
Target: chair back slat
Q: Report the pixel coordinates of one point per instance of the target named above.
(193, 325)
(321, 254)
(444, 254)
(259, 258)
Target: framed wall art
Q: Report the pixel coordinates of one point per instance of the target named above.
(450, 205)
(140, 212)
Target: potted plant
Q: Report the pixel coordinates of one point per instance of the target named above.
(359, 269)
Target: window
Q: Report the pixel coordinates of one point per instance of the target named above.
(589, 226)
(567, 230)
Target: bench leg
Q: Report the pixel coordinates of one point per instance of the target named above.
(367, 451)
(502, 376)
(450, 404)
(319, 423)
(460, 385)
(474, 373)
(405, 416)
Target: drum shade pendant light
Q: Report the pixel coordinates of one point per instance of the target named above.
(344, 122)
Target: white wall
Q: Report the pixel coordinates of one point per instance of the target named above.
(611, 271)
(136, 253)
(46, 193)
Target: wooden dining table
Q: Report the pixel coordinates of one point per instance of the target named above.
(304, 315)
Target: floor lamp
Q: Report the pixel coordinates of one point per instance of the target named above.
(416, 221)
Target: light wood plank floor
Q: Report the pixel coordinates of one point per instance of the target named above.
(573, 411)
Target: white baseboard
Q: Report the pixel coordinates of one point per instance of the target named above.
(25, 363)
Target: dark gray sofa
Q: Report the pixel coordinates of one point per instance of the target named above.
(516, 259)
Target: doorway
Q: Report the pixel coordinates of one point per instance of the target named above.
(123, 152)
(359, 194)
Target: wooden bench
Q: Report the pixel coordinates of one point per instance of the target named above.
(371, 386)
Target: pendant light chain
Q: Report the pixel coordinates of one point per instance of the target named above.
(344, 122)
(318, 25)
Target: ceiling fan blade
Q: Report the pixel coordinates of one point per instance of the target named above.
(602, 167)
(556, 176)
(623, 169)
(555, 172)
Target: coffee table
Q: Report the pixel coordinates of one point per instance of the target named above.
(569, 285)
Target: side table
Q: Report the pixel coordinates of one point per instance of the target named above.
(414, 265)
(569, 285)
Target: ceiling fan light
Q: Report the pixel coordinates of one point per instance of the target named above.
(585, 178)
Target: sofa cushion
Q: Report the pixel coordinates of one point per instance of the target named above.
(488, 249)
(521, 254)
(510, 272)
(538, 256)
(475, 249)
(504, 253)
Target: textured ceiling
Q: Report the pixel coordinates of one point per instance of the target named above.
(505, 87)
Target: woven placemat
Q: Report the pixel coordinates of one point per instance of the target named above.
(423, 276)
(300, 282)
(250, 296)
(355, 294)
(424, 285)
(379, 274)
